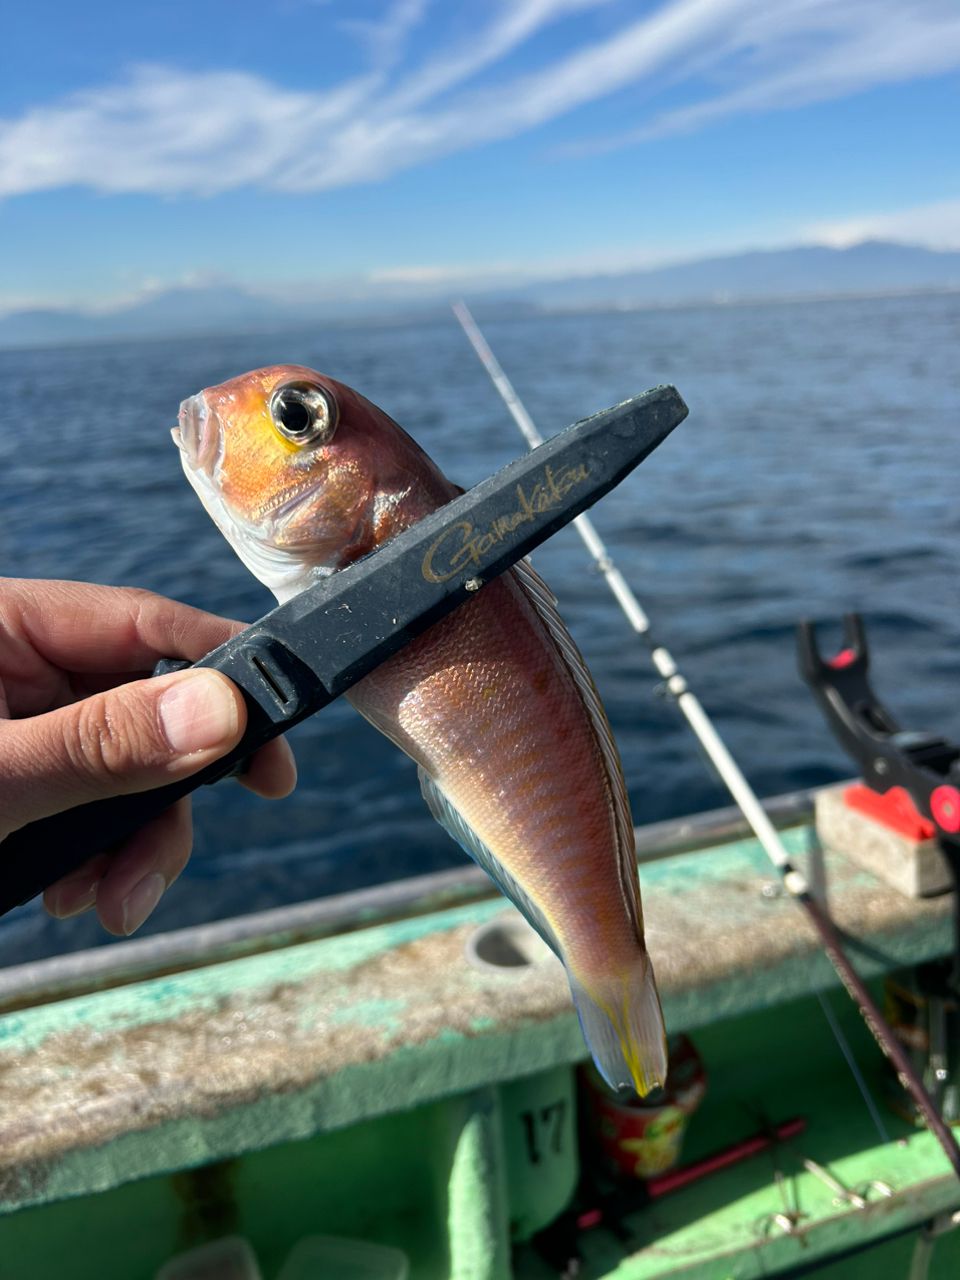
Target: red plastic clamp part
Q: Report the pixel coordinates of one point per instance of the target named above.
(894, 809)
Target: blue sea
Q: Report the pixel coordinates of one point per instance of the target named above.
(817, 473)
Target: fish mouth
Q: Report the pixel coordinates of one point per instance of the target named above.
(197, 434)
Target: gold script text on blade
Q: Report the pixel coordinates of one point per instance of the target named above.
(462, 544)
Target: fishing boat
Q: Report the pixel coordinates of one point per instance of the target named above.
(390, 1082)
(399, 1066)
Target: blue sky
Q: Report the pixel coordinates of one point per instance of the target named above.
(345, 147)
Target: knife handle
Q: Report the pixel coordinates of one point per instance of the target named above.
(278, 689)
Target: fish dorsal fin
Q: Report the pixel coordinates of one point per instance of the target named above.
(456, 826)
(545, 603)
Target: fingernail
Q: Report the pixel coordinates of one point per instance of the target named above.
(73, 898)
(141, 900)
(198, 712)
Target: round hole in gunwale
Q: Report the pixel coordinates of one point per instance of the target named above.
(506, 945)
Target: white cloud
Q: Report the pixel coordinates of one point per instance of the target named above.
(166, 131)
(425, 274)
(936, 225)
(516, 22)
(385, 39)
(772, 57)
(898, 42)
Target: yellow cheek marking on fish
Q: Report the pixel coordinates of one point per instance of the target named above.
(259, 427)
(288, 445)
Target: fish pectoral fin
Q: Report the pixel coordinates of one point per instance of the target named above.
(622, 1024)
(457, 827)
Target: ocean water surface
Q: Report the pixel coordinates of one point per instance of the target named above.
(817, 473)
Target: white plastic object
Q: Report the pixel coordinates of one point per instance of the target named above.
(333, 1258)
(228, 1259)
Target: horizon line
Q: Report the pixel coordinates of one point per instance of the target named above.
(428, 284)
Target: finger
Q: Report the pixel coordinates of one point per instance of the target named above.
(138, 875)
(132, 738)
(272, 772)
(82, 627)
(76, 892)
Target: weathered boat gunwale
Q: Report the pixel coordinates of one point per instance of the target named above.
(308, 1038)
(139, 959)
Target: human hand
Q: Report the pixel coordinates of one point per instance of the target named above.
(78, 723)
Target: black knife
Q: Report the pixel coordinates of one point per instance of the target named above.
(303, 654)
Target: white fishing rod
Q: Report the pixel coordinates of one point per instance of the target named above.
(728, 769)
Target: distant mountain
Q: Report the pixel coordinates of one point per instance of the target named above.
(873, 267)
(38, 327)
(169, 313)
(186, 309)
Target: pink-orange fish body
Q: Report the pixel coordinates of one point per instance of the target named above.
(494, 703)
(488, 709)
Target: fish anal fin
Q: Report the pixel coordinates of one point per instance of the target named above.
(457, 827)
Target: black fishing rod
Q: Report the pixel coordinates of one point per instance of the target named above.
(728, 769)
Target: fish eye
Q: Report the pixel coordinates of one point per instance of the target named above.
(304, 413)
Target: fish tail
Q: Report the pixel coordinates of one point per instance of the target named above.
(622, 1024)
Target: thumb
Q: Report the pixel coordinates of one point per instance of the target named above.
(130, 738)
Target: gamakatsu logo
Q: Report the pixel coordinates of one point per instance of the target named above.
(462, 545)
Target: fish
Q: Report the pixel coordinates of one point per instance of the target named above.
(495, 704)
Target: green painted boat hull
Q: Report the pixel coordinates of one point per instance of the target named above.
(374, 1084)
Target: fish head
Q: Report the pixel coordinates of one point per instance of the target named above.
(300, 473)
